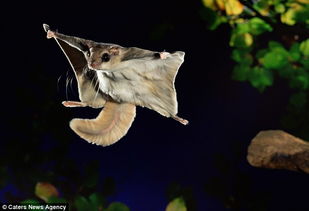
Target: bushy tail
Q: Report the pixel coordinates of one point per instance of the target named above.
(112, 123)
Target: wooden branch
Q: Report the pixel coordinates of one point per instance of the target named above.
(257, 13)
(277, 149)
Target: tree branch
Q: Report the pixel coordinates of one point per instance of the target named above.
(277, 149)
(257, 13)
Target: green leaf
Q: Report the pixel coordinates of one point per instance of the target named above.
(280, 8)
(260, 78)
(254, 26)
(295, 52)
(117, 206)
(296, 13)
(82, 204)
(178, 204)
(301, 81)
(97, 200)
(261, 5)
(241, 72)
(273, 60)
(276, 58)
(275, 2)
(45, 190)
(243, 28)
(304, 47)
(210, 4)
(299, 99)
(242, 34)
(257, 26)
(288, 17)
(305, 63)
(241, 40)
(242, 56)
(275, 45)
(302, 15)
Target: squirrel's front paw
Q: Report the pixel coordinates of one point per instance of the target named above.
(164, 55)
(73, 104)
(50, 34)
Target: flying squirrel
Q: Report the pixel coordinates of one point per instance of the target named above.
(118, 79)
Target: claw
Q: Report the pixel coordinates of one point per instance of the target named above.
(50, 34)
(164, 55)
(73, 104)
(46, 27)
(181, 120)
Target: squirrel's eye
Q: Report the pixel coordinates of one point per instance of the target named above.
(105, 57)
(88, 53)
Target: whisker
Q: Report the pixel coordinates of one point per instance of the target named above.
(71, 85)
(92, 81)
(58, 81)
(97, 92)
(66, 86)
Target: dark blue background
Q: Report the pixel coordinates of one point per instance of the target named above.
(224, 114)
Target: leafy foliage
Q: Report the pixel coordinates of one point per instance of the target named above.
(180, 197)
(45, 191)
(178, 204)
(94, 202)
(117, 206)
(269, 40)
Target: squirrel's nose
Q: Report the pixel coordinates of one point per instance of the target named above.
(93, 64)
